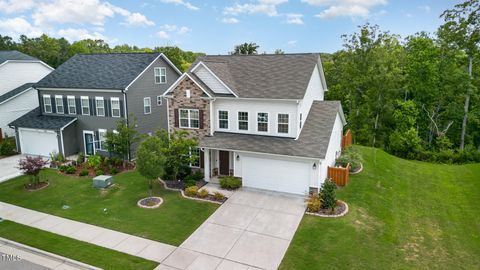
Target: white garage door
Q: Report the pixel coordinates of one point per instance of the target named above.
(278, 175)
(38, 142)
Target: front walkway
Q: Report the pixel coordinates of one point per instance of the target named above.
(252, 230)
(99, 236)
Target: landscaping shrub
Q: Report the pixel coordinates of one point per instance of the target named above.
(94, 161)
(191, 191)
(196, 176)
(71, 169)
(218, 196)
(190, 183)
(314, 203)
(7, 147)
(350, 155)
(203, 193)
(328, 197)
(113, 171)
(98, 172)
(83, 173)
(80, 158)
(57, 157)
(230, 182)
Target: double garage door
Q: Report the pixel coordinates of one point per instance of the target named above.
(38, 142)
(276, 174)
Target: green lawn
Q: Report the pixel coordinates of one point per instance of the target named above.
(403, 215)
(73, 249)
(114, 208)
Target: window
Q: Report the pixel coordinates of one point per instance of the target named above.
(282, 123)
(262, 122)
(196, 153)
(85, 105)
(102, 139)
(100, 105)
(159, 100)
(300, 120)
(223, 119)
(189, 118)
(187, 93)
(147, 105)
(59, 104)
(160, 75)
(115, 104)
(47, 104)
(243, 120)
(72, 107)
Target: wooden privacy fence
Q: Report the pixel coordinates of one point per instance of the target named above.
(339, 175)
(347, 139)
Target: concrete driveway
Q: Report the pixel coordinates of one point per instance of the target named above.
(252, 230)
(8, 167)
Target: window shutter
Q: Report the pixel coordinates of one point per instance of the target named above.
(108, 112)
(202, 156)
(176, 116)
(200, 118)
(78, 105)
(54, 106)
(91, 101)
(65, 105)
(122, 113)
(42, 108)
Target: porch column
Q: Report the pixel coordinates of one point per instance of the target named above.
(206, 162)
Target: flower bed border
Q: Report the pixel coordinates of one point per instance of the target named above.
(358, 171)
(331, 216)
(149, 207)
(33, 190)
(185, 196)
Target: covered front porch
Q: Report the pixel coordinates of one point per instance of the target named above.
(218, 163)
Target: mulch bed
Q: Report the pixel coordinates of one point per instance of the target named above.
(40, 185)
(181, 184)
(150, 202)
(357, 170)
(209, 197)
(92, 171)
(340, 210)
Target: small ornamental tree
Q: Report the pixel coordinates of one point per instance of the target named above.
(327, 195)
(32, 166)
(150, 161)
(120, 142)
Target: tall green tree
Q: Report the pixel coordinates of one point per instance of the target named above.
(122, 139)
(150, 160)
(245, 49)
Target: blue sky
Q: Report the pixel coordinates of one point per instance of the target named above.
(215, 26)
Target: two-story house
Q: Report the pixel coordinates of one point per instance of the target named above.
(88, 94)
(259, 117)
(18, 72)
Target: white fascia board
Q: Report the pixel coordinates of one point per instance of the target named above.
(175, 84)
(27, 61)
(215, 76)
(10, 98)
(170, 63)
(79, 89)
(322, 74)
(260, 99)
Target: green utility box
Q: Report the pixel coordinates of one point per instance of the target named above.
(102, 181)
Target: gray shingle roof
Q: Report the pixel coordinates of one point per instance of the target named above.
(98, 71)
(277, 76)
(15, 92)
(312, 142)
(15, 55)
(34, 119)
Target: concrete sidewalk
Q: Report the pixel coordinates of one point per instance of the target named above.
(8, 167)
(133, 245)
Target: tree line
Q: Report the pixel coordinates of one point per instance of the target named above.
(416, 97)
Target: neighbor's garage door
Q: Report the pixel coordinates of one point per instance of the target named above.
(38, 142)
(278, 175)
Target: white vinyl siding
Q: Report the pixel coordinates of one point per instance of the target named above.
(262, 122)
(59, 104)
(189, 118)
(14, 74)
(223, 119)
(100, 106)
(160, 74)
(47, 104)
(72, 107)
(147, 105)
(85, 105)
(115, 104)
(282, 123)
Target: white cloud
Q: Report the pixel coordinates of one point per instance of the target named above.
(172, 28)
(294, 18)
(292, 43)
(230, 20)
(73, 34)
(181, 3)
(163, 35)
(19, 26)
(169, 27)
(183, 30)
(425, 8)
(267, 7)
(137, 19)
(14, 6)
(346, 8)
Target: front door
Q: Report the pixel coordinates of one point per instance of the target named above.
(89, 150)
(224, 163)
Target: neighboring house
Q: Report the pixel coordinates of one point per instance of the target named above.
(261, 118)
(18, 72)
(88, 95)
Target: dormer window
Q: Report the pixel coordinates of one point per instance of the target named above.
(282, 120)
(223, 119)
(59, 104)
(262, 122)
(47, 104)
(160, 74)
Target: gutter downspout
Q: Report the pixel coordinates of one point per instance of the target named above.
(125, 109)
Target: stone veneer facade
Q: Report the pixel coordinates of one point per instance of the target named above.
(196, 101)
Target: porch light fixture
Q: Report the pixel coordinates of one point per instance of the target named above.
(314, 166)
(238, 157)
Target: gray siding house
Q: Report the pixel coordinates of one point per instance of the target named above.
(88, 95)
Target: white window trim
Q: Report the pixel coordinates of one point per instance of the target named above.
(85, 145)
(188, 118)
(268, 122)
(96, 106)
(159, 75)
(100, 130)
(248, 122)
(82, 98)
(145, 106)
(111, 107)
(61, 104)
(228, 119)
(288, 124)
(45, 105)
(159, 101)
(74, 104)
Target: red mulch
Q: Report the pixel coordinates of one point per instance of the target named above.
(92, 172)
